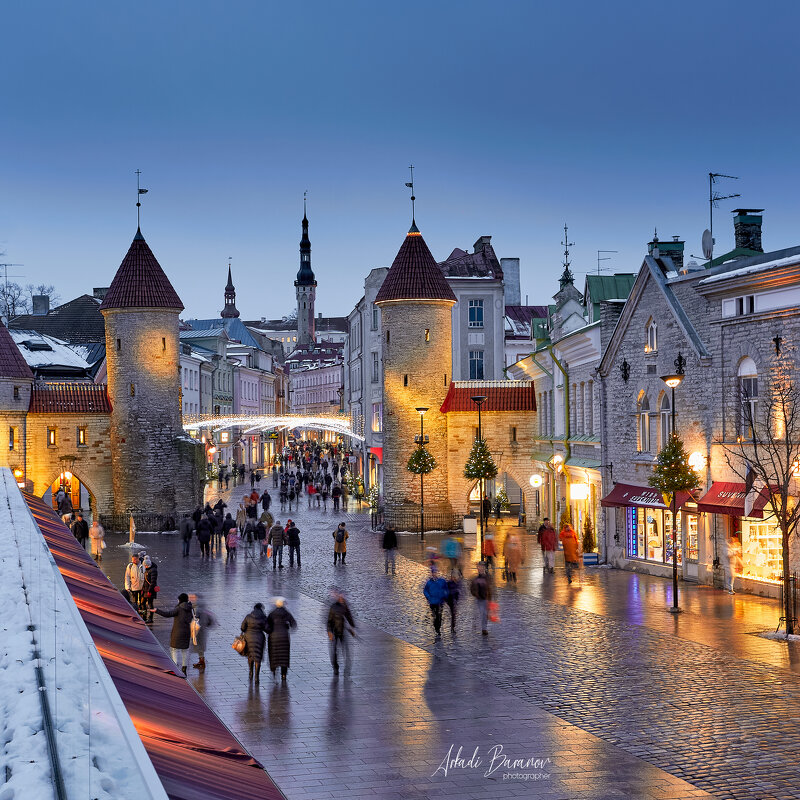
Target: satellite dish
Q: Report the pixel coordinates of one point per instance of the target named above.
(708, 244)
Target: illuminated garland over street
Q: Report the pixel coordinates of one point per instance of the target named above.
(251, 423)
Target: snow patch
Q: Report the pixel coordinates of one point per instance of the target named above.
(777, 636)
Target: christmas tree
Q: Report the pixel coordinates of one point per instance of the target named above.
(588, 535)
(503, 498)
(421, 461)
(672, 472)
(480, 463)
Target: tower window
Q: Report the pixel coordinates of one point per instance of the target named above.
(81, 437)
(119, 345)
(12, 438)
(405, 380)
(51, 437)
(513, 434)
(445, 379)
(427, 334)
(16, 392)
(387, 337)
(133, 390)
(164, 344)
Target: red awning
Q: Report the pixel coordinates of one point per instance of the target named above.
(378, 453)
(728, 498)
(626, 494)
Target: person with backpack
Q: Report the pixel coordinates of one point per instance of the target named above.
(481, 589)
(340, 621)
(340, 537)
(389, 549)
(293, 538)
(186, 529)
(435, 591)
(277, 538)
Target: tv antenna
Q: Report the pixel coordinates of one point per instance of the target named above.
(714, 199)
(607, 258)
(6, 276)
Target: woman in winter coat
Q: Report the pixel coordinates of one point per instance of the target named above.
(340, 537)
(512, 550)
(181, 632)
(149, 590)
(279, 622)
(253, 627)
(97, 536)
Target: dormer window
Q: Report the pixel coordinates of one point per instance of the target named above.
(651, 338)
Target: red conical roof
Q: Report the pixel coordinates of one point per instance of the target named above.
(140, 282)
(414, 275)
(12, 364)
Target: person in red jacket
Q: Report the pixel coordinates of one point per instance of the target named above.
(547, 541)
(569, 539)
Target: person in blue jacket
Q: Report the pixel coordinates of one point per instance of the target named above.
(435, 591)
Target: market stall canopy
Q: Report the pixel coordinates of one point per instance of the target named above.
(728, 498)
(195, 756)
(626, 494)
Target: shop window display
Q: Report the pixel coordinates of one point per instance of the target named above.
(649, 534)
(761, 550)
(692, 546)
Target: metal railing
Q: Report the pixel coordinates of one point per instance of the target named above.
(409, 520)
(144, 521)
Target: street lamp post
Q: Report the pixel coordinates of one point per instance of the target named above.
(479, 401)
(673, 381)
(421, 412)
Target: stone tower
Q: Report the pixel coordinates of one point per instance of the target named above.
(416, 327)
(154, 466)
(306, 290)
(230, 311)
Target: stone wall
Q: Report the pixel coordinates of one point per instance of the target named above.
(416, 374)
(13, 413)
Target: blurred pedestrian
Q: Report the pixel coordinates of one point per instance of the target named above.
(547, 541)
(180, 636)
(453, 594)
(80, 529)
(451, 549)
(293, 540)
(489, 551)
(204, 531)
(480, 588)
(340, 621)
(266, 501)
(231, 544)
(390, 549)
(279, 623)
(149, 588)
(207, 621)
(186, 529)
(435, 591)
(277, 538)
(254, 626)
(572, 556)
(340, 537)
(733, 567)
(512, 551)
(97, 538)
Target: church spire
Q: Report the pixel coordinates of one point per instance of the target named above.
(566, 276)
(230, 311)
(305, 289)
(305, 275)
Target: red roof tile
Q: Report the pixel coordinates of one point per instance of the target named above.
(12, 364)
(69, 398)
(414, 275)
(140, 282)
(500, 396)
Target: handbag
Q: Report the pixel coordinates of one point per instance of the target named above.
(194, 628)
(269, 551)
(240, 645)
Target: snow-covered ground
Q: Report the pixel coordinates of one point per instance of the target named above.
(100, 753)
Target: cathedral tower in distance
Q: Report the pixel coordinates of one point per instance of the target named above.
(306, 290)
(416, 328)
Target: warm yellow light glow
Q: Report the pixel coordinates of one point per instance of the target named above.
(558, 458)
(697, 461)
(672, 380)
(224, 436)
(67, 475)
(579, 491)
(536, 481)
(17, 473)
(212, 450)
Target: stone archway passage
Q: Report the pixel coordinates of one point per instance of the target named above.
(82, 497)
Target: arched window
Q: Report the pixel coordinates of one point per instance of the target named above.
(747, 385)
(643, 414)
(651, 337)
(665, 419)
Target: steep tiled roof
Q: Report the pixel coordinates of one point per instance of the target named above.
(500, 396)
(69, 398)
(414, 275)
(483, 263)
(79, 321)
(140, 282)
(12, 364)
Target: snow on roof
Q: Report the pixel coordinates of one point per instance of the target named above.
(753, 268)
(39, 350)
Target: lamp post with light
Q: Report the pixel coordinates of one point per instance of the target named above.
(479, 401)
(421, 411)
(673, 381)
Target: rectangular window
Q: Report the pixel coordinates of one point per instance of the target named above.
(51, 437)
(513, 434)
(427, 334)
(745, 305)
(476, 313)
(12, 438)
(377, 417)
(476, 365)
(692, 547)
(748, 388)
(119, 344)
(374, 318)
(81, 436)
(376, 369)
(644, 432)
(16, 392)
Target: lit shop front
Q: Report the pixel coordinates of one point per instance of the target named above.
(648, 524)
(758, 534)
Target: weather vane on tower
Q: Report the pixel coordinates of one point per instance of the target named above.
(411, 186)
(139, 191)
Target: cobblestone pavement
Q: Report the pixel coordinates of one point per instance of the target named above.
(623, 699)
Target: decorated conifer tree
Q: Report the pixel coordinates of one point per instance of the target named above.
(502, 497)
(672, 472)
(421, 462)
(480, 463)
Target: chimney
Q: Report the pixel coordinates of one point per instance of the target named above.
(481, 243)
(41, 305)
(747, 228)
(673, 250)
(510, 268)
(99, 292)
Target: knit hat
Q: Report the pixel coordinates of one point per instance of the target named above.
(147, 562)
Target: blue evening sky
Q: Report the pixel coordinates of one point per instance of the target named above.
(518, 116)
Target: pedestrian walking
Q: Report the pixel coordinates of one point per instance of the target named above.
(340, 622)
(134, 580)
(489, 551)
(254, 627)
(512, 552)
(283, 495)
(435, 591)
(180, 636)
(453, 594)
(231, 544)
(266, 501)
(572, 556)
(149, 588)
(97, 537)
(325, 496)
(293, 538)
(340, 537)
(279, 623)
(451, 549)
(206, 621)
(547, 541)
(186, 529)
(65, 508)
(204, 531)
(252, 479)
(274, 476)
(277, 538)
(336, 495)
(480, 588)
(80, 529)
(733, 553)
(311, 491)
(390, 550)
(487, 507)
